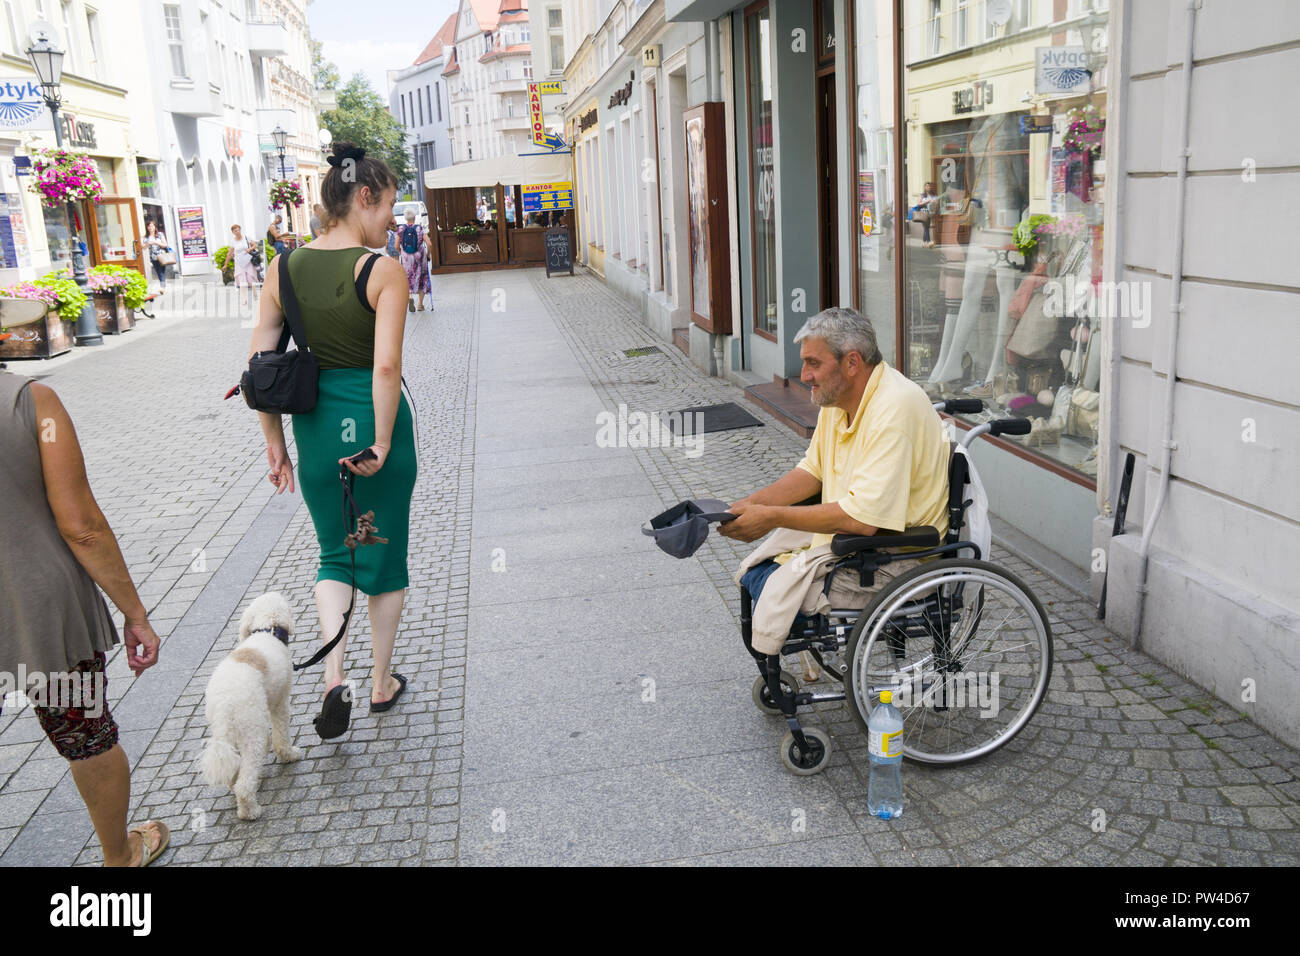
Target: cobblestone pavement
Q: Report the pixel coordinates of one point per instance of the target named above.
(577, 696)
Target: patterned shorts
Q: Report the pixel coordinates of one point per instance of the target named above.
(75, 734)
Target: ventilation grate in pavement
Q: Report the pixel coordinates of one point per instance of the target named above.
(642, 351)
(710, 418)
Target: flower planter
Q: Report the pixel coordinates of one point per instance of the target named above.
(111, 313)
(42, 337)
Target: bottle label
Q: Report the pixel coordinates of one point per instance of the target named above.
(885, 745)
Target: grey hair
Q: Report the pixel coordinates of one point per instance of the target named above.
(843, 331)
(409, 215)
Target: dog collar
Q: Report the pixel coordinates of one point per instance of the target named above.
(281, 634)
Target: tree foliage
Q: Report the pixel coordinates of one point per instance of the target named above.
(363, 118)
(324, 74)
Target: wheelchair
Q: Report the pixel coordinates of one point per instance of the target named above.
(964, 646)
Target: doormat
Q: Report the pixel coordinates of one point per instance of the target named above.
(643, 350)
(710, 418)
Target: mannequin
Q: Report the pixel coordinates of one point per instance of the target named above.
(980, 259)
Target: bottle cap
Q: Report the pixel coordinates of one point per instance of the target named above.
(886, 696)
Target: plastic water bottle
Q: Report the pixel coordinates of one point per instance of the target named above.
(885, 751)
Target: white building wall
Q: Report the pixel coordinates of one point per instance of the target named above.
(1224, 600)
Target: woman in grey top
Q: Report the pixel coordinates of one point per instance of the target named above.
(55, 630)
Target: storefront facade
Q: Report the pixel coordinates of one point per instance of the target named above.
(956, 170)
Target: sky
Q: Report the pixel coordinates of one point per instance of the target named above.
(375, 37)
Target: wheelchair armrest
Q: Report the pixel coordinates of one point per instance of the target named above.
(922, 537)
(814, 500)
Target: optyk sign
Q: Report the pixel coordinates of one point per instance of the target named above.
(22, 106)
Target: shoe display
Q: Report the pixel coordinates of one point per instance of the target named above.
(1043, 432)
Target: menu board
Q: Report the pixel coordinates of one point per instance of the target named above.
(193, 232)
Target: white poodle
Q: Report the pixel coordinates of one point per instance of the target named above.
(247, 699)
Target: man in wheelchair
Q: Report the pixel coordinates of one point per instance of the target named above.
(878, 459)
(876, 567)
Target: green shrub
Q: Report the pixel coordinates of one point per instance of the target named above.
(71, 299)
(136, 288)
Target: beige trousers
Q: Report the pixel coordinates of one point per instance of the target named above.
(797, 586)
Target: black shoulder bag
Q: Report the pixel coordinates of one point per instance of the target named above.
(283, 382)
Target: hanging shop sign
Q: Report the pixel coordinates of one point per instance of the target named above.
(193, 232)
(541, 197)
(1061, 70)
(977, 96)
(535, 125)
(550, 87)
(621, 96)
(77, 132)
(587, 120)
(22, 105)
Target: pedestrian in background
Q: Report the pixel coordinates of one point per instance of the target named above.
(415, 259)
(53, 619)
(274, 235)
(245, 270)
(317, 216)
(156, 244)
(351, 304)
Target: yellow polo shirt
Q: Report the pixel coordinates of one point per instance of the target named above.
(888, 469)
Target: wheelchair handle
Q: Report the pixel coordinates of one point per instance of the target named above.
(960, 406)
(1003, 426)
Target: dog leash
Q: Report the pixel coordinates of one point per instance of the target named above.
(358, 528)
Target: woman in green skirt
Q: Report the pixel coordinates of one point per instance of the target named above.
(353, 307)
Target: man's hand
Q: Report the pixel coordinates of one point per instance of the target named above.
(754, 522)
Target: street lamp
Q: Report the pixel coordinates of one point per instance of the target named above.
(47, 61)
(281, 138)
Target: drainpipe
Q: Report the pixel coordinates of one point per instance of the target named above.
(713, 76)
(1167, 444)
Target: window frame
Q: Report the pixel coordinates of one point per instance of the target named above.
(749, 16)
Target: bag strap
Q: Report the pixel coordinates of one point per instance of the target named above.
(350, 515)
(289, 305)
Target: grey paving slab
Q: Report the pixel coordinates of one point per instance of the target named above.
(559, 491)
(625, 615)
(582, 519)
(647, 813)
(546, 579)
(607, 730)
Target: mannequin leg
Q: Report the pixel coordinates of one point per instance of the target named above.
(1092, 370)
(956, 332)
(1006, 278)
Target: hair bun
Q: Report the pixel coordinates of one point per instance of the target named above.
(343, 151)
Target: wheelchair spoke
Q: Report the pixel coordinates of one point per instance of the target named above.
(976, 658)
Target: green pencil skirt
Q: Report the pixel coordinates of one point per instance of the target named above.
(342, 424)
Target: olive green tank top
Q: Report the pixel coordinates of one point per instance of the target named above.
(336, 316)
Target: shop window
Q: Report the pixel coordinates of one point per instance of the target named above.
(1002, 235)
(873, 188)
(762, 181)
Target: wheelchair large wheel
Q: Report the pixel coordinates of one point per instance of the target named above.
(966, 649)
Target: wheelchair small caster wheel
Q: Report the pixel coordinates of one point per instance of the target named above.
(813, 760)
(763, 698)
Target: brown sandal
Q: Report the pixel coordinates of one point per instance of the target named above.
(146, 857)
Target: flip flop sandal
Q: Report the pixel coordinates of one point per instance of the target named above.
(143, 829)
(334, 714)
(388, 704)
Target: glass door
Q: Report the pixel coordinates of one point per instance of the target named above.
(114, 235)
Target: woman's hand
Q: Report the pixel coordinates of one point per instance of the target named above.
(281, 468)
(141, 646)
(371, 465)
